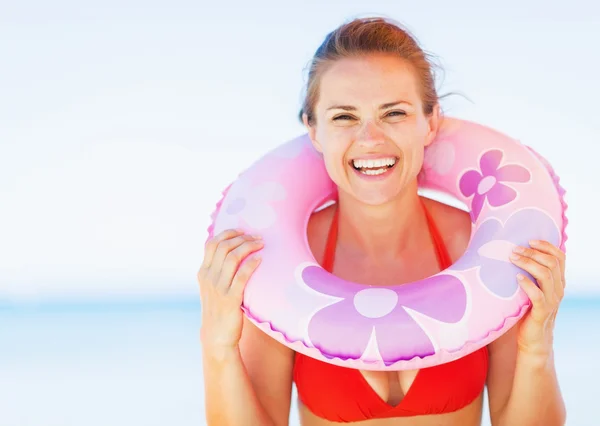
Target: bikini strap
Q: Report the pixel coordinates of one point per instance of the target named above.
(441, 251)
(329, 255)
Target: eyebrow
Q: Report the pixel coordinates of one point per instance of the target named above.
(382, 106)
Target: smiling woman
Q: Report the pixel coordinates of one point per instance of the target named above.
(391, 308)
(357, 129)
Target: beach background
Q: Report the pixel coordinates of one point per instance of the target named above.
(122, 121)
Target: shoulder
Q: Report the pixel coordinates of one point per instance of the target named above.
(454, 225)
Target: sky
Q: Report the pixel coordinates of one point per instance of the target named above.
(121, 122)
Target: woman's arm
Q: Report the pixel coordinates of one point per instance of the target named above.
(247, 374)
(522, 389)
(248, 385)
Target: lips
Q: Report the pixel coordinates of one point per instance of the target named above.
(374, 166)
(373, 163)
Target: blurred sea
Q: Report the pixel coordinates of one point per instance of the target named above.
(139, 363)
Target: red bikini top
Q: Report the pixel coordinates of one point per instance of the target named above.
(342, 394)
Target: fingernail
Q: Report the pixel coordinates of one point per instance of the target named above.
(518, 249)
(514, 256)
(534, 242)
(257, 237)
(520, 277)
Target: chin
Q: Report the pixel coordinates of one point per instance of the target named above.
(372, 198)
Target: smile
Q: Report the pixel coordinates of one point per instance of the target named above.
(374, 167)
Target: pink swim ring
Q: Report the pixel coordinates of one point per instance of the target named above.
(513, 196)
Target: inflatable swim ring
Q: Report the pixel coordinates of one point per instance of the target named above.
(513, 196)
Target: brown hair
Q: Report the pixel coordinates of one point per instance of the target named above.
(364, 36)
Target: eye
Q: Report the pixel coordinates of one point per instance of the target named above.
(396, 114)
(343, 117)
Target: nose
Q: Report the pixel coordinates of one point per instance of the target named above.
(370, 135)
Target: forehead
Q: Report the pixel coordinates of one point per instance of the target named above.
(373, 78)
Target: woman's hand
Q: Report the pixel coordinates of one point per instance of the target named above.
(222, 278)
(546, 263)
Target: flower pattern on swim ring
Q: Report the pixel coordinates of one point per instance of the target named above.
(487, 183)
(251, 204)
(364, 309)
(493, 242)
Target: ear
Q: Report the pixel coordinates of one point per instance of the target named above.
(433, 123)
(312, 133)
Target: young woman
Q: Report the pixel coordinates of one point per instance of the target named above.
(371, 96)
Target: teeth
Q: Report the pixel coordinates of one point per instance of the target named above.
(373, 172)
(374, 164)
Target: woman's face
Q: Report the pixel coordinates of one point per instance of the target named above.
(370, 126)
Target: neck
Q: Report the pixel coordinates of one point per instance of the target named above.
(379, 231)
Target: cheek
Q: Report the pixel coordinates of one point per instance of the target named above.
(335, 145)
(334, 155)
(335, 158)
(413, 150)
(418, 161)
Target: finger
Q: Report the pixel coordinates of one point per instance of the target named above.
(223, 250)
(233, 260)
(211, 246)
(539, 271)
(243, 274)
(551, 263)
(546, 247)
(538, 300)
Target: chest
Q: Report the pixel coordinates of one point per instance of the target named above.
(390, 386)
(386, 272)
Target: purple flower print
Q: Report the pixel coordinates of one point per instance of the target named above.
(344, 328)
(250, 204)
(487, 183)
(493, 242)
